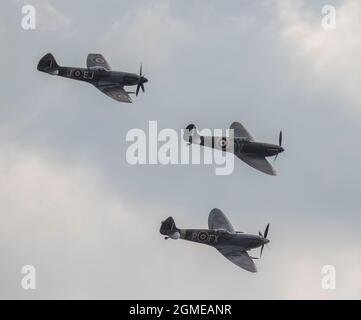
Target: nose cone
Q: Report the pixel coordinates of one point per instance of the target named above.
(145, 80)
(281, 149)
(265, 241)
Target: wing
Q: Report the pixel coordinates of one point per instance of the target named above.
(258, 162)
(218, 220)
(238, 257)
(97, 60)
(115, 91)
(241, 131)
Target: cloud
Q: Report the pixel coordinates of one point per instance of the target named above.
(330, 57)
(52, 211)
(151, 32)
(39, 188)
(303, 277)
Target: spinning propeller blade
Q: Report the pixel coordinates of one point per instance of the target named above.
(280, 139)
(142, 79)
(264, 237)
(279, 143)
(266, 231)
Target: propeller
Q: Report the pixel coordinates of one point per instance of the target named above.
(264, 237)
(279, 143)
(142, 80)
(280, 139)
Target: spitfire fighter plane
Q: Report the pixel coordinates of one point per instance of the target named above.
(222, 236)
(241, 144)
(99, 74)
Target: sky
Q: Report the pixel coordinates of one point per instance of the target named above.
(71, 205)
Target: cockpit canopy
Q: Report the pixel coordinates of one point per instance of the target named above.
(98, 68)
(242, 139)
(224, 232)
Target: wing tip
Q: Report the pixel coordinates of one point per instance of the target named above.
(234, 123)
(252, 269)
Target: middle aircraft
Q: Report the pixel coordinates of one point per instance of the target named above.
(241, 144)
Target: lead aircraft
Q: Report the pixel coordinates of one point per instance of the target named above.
(99, 74)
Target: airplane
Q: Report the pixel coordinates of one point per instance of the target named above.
(99, 74)
(242, 145)
(222, 236)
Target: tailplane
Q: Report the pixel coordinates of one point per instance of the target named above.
(48, 64)
(169, 229)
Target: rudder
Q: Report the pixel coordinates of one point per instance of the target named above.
(169, 229)
(48, 64)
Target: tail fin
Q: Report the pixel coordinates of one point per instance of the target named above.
(189, 132)
(169, 229)
(48, 64)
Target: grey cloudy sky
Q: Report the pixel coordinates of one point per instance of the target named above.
(71, 205)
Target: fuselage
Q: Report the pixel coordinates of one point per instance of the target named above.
(222, 237)
(98, 75)
(237, 145)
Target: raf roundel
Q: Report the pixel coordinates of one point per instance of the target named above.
(223, 143)
(99, 60)
(77, 73)
(203, 236)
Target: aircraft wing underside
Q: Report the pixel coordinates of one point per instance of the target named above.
(238, 257)
(258, 162)
(115, 91)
